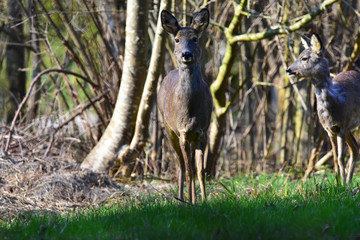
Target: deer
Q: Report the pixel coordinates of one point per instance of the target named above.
(338, 102)
(185, 102)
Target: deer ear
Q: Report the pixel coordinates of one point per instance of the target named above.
(305, 41)
(316, 44)
(169, 22)
(201, 20)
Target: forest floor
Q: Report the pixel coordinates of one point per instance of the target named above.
(254, 207)
(58, 184)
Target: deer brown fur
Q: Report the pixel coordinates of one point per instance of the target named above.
(338, 101)
(185, 102)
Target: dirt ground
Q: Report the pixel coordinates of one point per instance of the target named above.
(59, 184)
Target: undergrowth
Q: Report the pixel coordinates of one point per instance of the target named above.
(262, 207)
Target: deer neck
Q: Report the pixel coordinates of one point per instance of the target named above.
(328, 96)
(190, 74)
(322, 83)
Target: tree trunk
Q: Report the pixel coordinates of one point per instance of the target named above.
(120, 130)
(35, 94)
(128, 157)
(218, 89)
(15, 58)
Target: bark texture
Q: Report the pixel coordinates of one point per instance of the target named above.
(120, 130)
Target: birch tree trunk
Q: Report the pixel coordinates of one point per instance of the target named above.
(129, 155)
(120, 130)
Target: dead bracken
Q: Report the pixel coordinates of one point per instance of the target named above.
(51, 184)
(29, 181)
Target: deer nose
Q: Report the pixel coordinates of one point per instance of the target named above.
(290, 72)
(186, 57)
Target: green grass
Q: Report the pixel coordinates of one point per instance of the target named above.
(266, 207)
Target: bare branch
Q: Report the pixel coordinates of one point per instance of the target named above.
(22, 104)
(282, 29)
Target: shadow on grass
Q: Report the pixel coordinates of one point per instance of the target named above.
(276, 209)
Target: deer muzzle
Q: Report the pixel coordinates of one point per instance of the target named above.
(187, 57)
(290, 72)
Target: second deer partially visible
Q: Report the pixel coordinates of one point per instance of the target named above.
(338, 101)
(185, 102)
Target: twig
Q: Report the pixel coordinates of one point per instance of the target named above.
(66, 43)
(79, 111)
(92, 103)
(76, 40)
(28, 46)
(37, 78)
(354, 53)
(52, 140)
(324, 159)
(296, 89)
(183, 201)
(163, 194)
(267, 33)
(106, 43)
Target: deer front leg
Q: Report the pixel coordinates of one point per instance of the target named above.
(353, 148)
(341, 156)
(185, 149)
(174, 140)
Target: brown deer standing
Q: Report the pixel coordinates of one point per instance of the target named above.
(185, 102)
(338, 101)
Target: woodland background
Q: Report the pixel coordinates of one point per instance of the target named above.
(78, 80)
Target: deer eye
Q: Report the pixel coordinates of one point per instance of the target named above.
(304, 59)
(177, 40)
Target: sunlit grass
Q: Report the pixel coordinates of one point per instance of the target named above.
(264, 207)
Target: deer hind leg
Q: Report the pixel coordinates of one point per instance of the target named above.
(181, 177)
(193, 188)
(341, 156)
(199, 157)
(353, 149)
(335, 153)
(186, 152)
